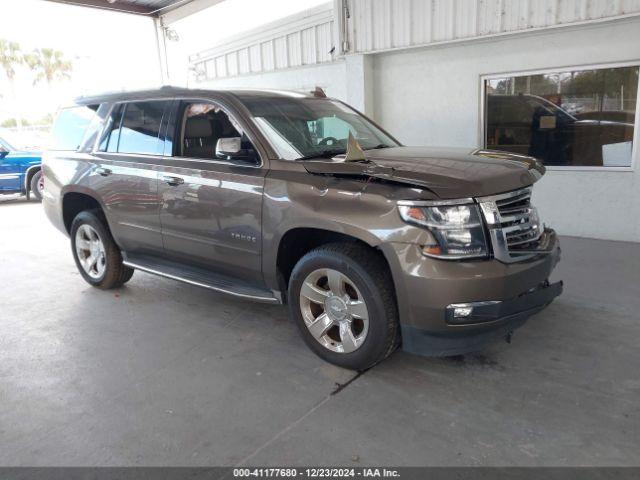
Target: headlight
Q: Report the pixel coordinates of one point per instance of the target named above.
(457, 229)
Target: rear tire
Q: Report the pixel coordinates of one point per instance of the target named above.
(96, 254)
(37, 185)
(357, 327)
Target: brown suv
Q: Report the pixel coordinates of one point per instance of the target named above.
(284, 197)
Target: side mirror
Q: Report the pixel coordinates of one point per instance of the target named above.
(229, 147)
(3, 152)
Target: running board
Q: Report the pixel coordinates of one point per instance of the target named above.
(199, 277)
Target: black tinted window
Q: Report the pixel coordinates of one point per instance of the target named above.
(140, 128)
(70, 126)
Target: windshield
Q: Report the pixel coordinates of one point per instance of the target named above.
(4, 140)
(300, 128)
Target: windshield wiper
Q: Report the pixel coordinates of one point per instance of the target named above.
(379, 146)
(323, 154)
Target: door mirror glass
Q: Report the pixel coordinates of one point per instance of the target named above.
(3, 151)
(228, 147)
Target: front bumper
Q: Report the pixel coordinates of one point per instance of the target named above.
(497, 310)
(502, 296)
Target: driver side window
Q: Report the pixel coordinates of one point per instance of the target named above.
(203, 126)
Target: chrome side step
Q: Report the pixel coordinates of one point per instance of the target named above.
(201, 278)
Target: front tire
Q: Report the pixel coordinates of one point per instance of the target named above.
(37, 185)
(95, 252)
(342, 299)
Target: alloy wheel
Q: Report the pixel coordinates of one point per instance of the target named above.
(91, 252)
(334, 310)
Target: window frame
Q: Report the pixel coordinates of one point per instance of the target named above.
(173, 119)
(112, 106)
(482, 123)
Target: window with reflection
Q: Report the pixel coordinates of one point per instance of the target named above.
(566, 117)
(70, 127)
(140, 128)
(301, 127)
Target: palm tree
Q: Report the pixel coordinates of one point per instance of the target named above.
(10, 58)
(49, 65)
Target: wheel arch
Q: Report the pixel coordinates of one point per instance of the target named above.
(76, 201)
(297, 241)
(28, 175)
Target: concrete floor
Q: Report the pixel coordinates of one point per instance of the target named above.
(162, 373)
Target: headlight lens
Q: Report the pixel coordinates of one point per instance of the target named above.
(457, 229)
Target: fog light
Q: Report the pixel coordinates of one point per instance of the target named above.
(461, 312)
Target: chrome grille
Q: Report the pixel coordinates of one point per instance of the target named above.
(514, 225)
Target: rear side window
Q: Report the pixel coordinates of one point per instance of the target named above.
(135, 128)
(109, 141)
(70, 127)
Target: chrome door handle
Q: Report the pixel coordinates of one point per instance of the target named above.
(105, 172)
(173, 181)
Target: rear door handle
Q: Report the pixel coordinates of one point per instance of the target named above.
(105, 172)
(173, 181)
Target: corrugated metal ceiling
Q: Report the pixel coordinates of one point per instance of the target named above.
(142, 7)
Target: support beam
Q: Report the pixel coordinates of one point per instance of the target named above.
(161, 48)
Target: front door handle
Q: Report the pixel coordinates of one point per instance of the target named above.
(105, 172)
(173, 181)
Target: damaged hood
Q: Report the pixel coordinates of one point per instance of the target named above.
(447, 172)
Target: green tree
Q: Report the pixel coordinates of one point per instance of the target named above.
(10, 57)
(49, 65)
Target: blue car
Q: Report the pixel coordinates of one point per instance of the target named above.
(20, 171)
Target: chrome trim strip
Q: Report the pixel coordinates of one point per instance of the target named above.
(504, 196)
(435, 203)
(454, 257)
(491, 210)
(199, 284)
(141, 227)
(474, 304)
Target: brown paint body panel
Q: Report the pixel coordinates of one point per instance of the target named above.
(231, 218)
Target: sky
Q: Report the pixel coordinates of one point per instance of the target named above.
(115, 51)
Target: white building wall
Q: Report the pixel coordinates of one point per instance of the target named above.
(432, 96)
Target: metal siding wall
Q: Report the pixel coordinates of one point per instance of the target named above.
(244, 61)
(282, 55)
(294, 47)
(376, 25)
(304, 39)
(385, 24)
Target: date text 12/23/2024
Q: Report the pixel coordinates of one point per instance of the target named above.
(367, 472)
